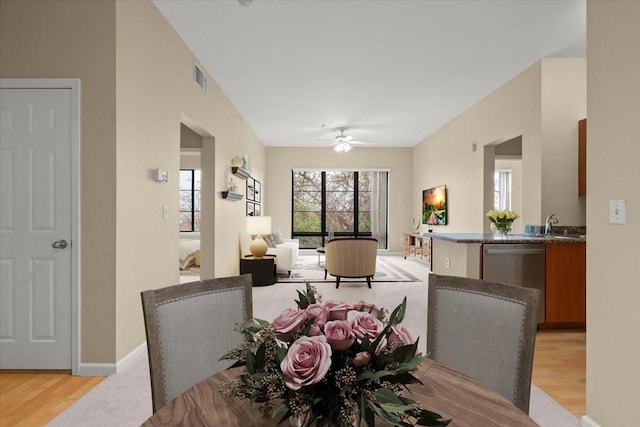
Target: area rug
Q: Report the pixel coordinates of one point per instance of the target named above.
(310, 268)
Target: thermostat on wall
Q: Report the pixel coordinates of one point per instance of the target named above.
(160, 176)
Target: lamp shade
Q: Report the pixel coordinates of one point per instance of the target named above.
(258, 225)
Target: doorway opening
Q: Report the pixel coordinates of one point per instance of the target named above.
(503, 177)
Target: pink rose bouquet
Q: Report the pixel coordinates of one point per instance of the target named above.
(331, 364)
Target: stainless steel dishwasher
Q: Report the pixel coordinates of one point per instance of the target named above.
(518, 264)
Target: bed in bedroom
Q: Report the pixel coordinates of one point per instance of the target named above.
(189, 253)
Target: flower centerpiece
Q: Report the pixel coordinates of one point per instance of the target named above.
(502, 220)
(330, 364)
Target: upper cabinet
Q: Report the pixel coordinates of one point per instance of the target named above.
(582, 158)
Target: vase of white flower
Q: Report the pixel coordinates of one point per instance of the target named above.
(502, 221)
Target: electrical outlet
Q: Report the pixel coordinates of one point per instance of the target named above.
(447, 263)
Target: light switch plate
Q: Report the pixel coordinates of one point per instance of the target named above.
(165, 212)
(617, 212)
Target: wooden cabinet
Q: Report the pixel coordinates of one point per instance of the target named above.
(418, 246)
(566, 283)
(582, 158)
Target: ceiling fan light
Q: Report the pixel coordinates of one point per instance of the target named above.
(347, 147)
(339, 148)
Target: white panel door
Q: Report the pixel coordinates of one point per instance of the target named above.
(35, 228)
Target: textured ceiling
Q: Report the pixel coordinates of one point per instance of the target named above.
(390, 72)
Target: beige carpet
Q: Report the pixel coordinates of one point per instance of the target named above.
(125, 399)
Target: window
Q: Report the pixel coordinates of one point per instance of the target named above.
(345, 203)
(190, 200)
(502, 189)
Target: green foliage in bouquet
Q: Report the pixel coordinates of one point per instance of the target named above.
(330, 364)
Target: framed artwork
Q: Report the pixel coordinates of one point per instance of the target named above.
(434, 206)
(251, 209)
(257, 191)
(250, 189)
(257, 210)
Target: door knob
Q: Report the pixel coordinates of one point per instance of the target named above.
(59, 244)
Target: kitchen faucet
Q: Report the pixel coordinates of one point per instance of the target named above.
(548, 224)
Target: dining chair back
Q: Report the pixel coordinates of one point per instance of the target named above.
(351, 257)
(485, 330)
(189, 327)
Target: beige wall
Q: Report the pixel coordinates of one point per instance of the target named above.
(522, 106)
(155, 92)
(281, 160)
(564, 103)
(447, 156)
(62, 39)
(613, 251)
(189, 161)
(136, 90)
(463, 258)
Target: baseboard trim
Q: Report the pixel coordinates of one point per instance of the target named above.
(588, 422)
(106, 369)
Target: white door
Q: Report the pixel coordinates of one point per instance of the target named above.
(35, 228)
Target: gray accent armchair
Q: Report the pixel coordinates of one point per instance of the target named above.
(189, 327)
(485, 330)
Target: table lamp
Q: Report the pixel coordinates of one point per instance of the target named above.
(258, 226)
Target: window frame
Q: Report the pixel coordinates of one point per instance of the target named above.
(193, 201)
(504, 197)
(323, 233)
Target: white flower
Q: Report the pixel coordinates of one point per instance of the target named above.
(503, 216)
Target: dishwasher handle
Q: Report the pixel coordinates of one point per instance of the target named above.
(514, 251)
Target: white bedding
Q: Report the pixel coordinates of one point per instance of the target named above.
(188, 251)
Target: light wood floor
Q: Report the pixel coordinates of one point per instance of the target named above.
(559, 367)
(34, 398)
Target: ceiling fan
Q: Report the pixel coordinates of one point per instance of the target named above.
(345, 142)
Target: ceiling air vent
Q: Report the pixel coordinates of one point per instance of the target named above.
(199, 78)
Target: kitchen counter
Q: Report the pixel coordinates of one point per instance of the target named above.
(511, 238)
(563, 264)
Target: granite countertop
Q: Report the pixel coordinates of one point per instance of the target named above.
(512, 238)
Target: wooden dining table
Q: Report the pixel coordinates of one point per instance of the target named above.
(451, 394)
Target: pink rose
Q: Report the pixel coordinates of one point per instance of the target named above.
(307, 362)
(319, 313)
(337, 310)
(314, 330)
(339, 334)
(362, 358)
(399, 335)
(288, 322)
(367, 308)
(364, 324)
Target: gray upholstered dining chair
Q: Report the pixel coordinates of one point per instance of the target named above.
(485, 330)
(189, 327)
(351, 257)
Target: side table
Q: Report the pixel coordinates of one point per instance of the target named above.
(321, 250)
(263, 270)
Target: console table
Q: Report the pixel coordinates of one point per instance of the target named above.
(417, 245)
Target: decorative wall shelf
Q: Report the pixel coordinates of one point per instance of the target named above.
(231, 196)
(240, 173)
